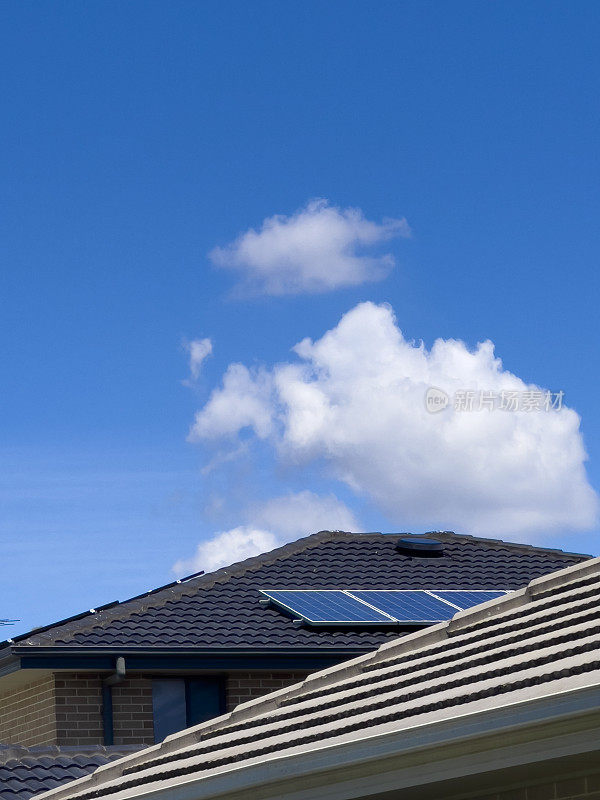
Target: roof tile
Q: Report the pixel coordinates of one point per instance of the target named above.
(221, 609)
(25, 772)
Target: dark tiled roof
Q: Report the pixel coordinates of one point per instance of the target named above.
(537, 645)
(222, 610)
(25, 772)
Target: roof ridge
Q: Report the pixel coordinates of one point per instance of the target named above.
(452, 535)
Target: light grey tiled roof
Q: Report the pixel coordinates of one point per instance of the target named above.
(536, 642)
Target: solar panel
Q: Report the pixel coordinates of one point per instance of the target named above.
(466, 598)
(407, 606)
(376, 606)
(325, 606)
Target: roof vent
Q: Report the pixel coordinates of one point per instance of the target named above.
(417, 547)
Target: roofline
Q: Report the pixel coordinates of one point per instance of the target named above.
(449, 535)
(209, 579)
(215, 662)
(105, 607)
(213, 577)
(186, 651)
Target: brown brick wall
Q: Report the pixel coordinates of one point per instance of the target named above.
(132, 711)
(27, 714)
(582, 787)
(244, 686)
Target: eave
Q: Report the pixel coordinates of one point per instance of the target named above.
(143, 659)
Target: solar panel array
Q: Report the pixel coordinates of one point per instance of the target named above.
(408, 606)
(376, 606)
(327, 605)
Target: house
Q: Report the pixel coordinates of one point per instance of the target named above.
(130, 673)
(500, 702)
(197, 648)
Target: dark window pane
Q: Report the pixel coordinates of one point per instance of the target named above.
(168, 706)
(205, 698)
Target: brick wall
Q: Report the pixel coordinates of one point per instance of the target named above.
(78, 708)
(132, 711)
(583, 787)
(244, 686)
(27, 714)
(66, 709)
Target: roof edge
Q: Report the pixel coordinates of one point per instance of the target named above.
(110, 611)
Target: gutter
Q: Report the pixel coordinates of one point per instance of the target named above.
(144, 660)
(200, 651)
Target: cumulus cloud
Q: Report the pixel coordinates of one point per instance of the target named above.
(280, 520)
(198, 351)
(317, 249)
(244, 401)
(354, 400)
(299, 514)
(227, 547)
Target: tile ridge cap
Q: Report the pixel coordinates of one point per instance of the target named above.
(468, 537)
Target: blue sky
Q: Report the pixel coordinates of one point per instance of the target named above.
(140, 136)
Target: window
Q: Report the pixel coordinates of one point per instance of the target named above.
(178, 703)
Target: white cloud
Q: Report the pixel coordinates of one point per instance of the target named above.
(355, 401)
(295, 515)
(317, 249)
(280, 520)
(244, 400)
(198, 351)
(227, 547)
